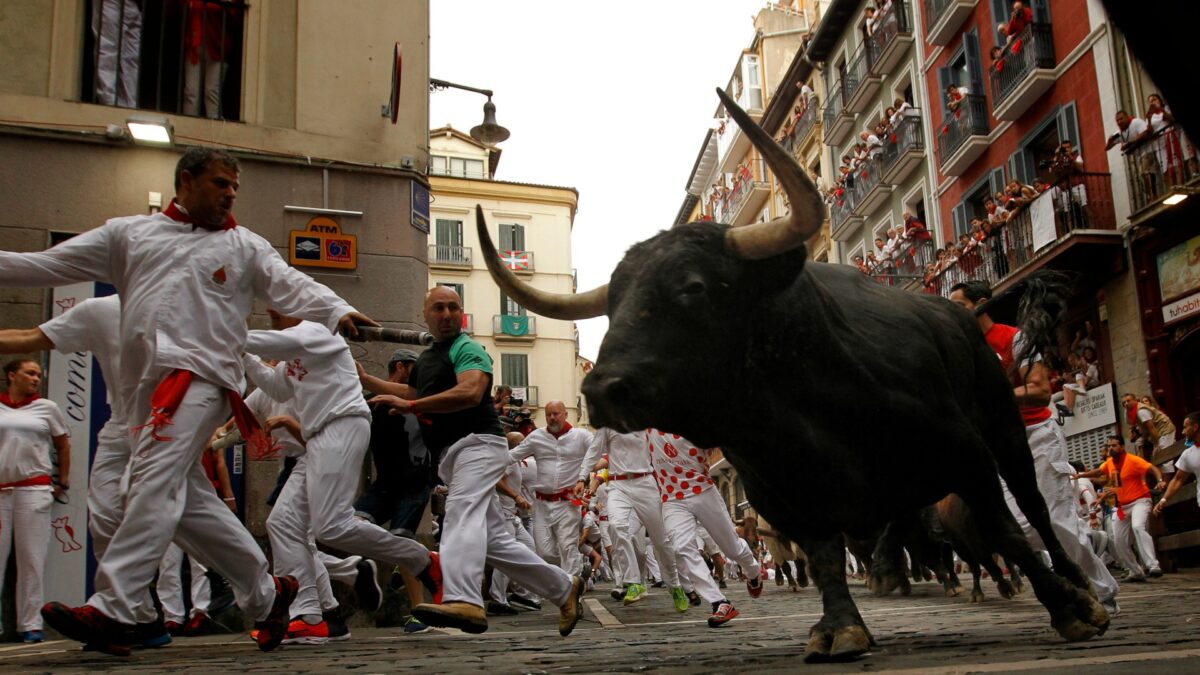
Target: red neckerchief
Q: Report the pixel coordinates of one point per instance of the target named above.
(13, 404)
(175, 213)
(1131, 415)
(565, 428)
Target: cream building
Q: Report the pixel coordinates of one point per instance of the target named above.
(531, 226)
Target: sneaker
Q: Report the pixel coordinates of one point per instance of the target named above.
(412, 625)
(273, 629)
(572, 610)
(658, 583)
(366, 585)
(722, 583)
(754, 587)
(500, 609)
(32, 636)
(431, 578)
(617, 593)
(461, 615)
(1155, 573)
(518, 600)
(694, 599)
(634, 593)
(88, 625)
(1064, 411)
(152, 635)
(300, 632)
(723, 613)
(1136, 578)
(680, 599)
(338, 630)
(1110, 605)
(174, 628)
(199, 624)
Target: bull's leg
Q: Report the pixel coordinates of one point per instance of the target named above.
(976, 589)
(841, 633)
(1014, 576)
(1004, 586)
(1073, 612)
(887, 560)
(950, 581)
(801, 563)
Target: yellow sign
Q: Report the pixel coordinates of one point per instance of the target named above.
(322, 244)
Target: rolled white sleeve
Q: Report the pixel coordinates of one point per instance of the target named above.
(85, 257)
(273, 381)
(291, 292)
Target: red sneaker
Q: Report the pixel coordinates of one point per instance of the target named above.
(301, 633)
(199, 624)
(88, 625)
(431, 578)
(724, 614)
(273, 629)
(754, 586)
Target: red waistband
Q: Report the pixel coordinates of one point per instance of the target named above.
(560, 496)
(630, 476)
(602, 518)
(28, 482)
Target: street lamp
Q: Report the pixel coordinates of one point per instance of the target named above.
(488, 133)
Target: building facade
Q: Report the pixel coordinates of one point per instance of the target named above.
(531, 227)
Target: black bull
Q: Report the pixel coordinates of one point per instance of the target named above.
(840, 402)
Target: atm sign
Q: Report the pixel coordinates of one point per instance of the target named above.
(322, 244)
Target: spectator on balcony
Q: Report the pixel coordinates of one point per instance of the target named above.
(930, 282)
(869, 21)
(861, 264)
(997, 58)
(1021, 18)
(1170, 146)
(1132, 132)
(1017, 194)
(1067, 160)
(914, 229)
(871, 144)
(955, 95)
(1086, 377)
(902, 109)
(1149, 424)
(996, 214)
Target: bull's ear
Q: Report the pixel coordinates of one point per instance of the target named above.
(772, 275)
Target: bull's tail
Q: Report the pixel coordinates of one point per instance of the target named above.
(1041, 300)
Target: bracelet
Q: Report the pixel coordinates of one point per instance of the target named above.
(229, 499)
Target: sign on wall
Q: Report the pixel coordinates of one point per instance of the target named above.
(1096, 409)
(420, 206)
(1179, 269)
(323, 244)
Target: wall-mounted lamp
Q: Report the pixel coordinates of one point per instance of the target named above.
(150, 129)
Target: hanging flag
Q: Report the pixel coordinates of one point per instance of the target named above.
(516, 260)
(514, 325)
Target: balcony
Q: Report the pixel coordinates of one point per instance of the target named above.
(802, 129)
(1025, 72)
(907, 267)
(943, 18)
(892, 37)
(1159, 165)
(527, 395)
(1071, 226)
(837, 122)
(860, 81)
(512, 328)
(520, 262)
(904, 150)
(450, 257)
(750, 191)
(869, 191)
(842, 219)
(963, 136)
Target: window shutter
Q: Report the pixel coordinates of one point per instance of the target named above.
(1068, 125)
(974, 61)
(1041, 11)
(1001, 13)
(962, 221)
(448, 232)
(995, 181)
(506, 237)
(518, 237)
(944, 80)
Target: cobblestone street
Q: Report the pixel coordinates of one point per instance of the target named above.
(924, 632)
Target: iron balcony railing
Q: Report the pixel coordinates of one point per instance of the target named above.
(839, 211)
(450, 255)
(1032, 49)
(907, 264)
(905, 136)
(834, 104)
(801, 126)
(513, 325)
(1081, 201)
(866, 177)
(859, 68)
(971, 119)
(745, 177)
(890, 23)
(1159, 164)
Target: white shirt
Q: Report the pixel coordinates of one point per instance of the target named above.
(528, 478)
(264, 407)
(512, 476)
(94, 325)
(557, 458)
(25, 440)
(1085, 497)
(874, 145)
(315, 366)
(1189, 461)
(1136, 127)
(185, 292)
(626, 453)
(682, 468)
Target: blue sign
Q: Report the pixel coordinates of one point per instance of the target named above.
(420, 207)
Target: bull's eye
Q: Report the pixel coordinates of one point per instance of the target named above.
(693, 288)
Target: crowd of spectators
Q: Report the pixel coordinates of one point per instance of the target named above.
(872, 142)
(1164, 153)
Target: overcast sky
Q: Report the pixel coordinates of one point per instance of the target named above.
(612, 99)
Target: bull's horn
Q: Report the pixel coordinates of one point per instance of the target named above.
(764, 240)
(568, 307)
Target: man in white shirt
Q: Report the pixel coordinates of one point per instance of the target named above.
(632, 498)
(1187, 465)
(558, 449)
(187, 278)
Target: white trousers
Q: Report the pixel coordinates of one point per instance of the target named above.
(475, 531)
(1131, 531)
(342, 570)
(1053, 471)
(25, 526)
(170, 497)
(117, 27)
(317, 504)
(556, 527)
(500, 581)
(707, 509)
(170, 586)
(210, 72)
(638, 499)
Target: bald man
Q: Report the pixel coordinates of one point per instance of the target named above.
(449, 388)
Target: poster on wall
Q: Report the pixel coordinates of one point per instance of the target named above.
(1179, 269)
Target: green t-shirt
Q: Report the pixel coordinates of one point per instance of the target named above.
(437, 370)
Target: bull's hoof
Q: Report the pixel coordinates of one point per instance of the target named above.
(1018, 585)
(794, 588)
(819, 643)
(977, 596)
(1005, 588)
(842, 644)
(1083, 619)
(954, 591)
(885, 584)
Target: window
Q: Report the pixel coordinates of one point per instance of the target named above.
(1032, 159)
(514, 370)
(456, 166)
(972, 204)
(510, 307)
(448, 237)
(512, 237)
(457, 288)
(964, 69)
(1002, 13)
(753, 80)
(179, 57)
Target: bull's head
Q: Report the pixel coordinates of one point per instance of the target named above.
(678, 302)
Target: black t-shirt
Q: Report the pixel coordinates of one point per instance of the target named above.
(437, 370)
(394, 467)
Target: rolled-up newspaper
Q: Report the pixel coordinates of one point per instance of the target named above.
(232, 437)
(408, 337)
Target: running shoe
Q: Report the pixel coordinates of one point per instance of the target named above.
(32, 636)
(618, 593)
(634, 593)
(572, 611)
(754, 586)
(199, 624)
(694, 599)
(88, 625)
(680, 599)
(152, 635)
(173, 628)
(412, 625)
(366, 585)
(273, 629)
(500, 609)
(518, 600)
(301, 633)
(338, 630)
(461, 615)
(723, 613)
